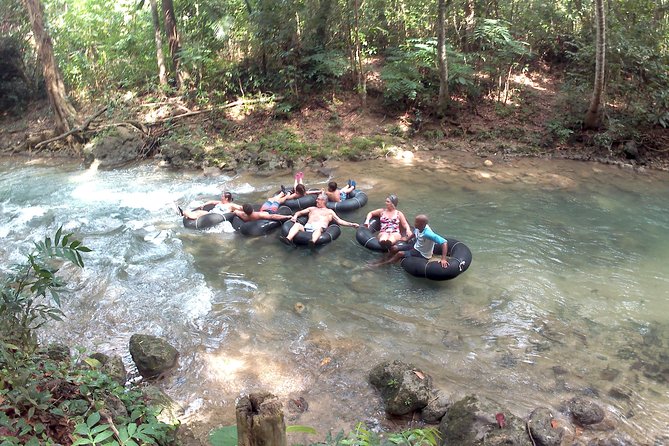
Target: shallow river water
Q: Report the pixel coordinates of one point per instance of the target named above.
(568, 292)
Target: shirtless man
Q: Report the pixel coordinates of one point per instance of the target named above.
(224, 206)
(336, 195)
(248, 214)
(319, 219)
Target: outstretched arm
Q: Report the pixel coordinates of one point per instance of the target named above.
(341, 222)
(269, 216)
(300, 213)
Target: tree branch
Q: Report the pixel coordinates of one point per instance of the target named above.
(79, 129)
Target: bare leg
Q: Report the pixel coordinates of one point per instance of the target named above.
(392, 258)
(316, 234)
(297, 227)
(194, 215)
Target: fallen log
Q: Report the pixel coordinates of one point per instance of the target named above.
(79, 129)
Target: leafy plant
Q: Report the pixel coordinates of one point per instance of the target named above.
(30, 294)
(227, 435)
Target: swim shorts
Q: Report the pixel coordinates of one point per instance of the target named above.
(270, 206)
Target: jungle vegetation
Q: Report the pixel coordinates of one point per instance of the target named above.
(436, 57)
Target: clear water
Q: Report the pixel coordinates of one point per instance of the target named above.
(567, 293)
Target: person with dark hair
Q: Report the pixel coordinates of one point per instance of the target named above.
(273, 203)
(337, 195)
(223, 206)
(426, 240)
(248, 214)
(392, 220)
(319, 217)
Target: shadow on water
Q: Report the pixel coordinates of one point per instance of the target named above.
(567, 293)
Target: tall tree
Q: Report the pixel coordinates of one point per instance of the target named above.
(470, 25)
(362, 78)
(593, 117)
(442, 62)
(64, 113)
(173, 41)
(158, 37)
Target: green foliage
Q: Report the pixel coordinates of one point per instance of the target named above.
(43, 401)
(558, 131)
(224, 436)
(324, 67)
(361, 436)
(359, 148)
(282, 142)
(30, 293)
(409, 71)
(227, 435)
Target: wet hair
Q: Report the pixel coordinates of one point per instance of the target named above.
(300, 189)
(228, 196)
(393, 199)
(332, 186)
(323, 197)
(247, 208)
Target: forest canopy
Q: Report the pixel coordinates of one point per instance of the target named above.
(212, 51)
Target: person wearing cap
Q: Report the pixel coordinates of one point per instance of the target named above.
(224, 206)
(319, 217)
(392, 220)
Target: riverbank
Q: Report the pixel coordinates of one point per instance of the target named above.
(257, 134)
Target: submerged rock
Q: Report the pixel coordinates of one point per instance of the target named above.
(585, 412)
(541, 428)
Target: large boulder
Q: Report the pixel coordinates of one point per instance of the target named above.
(404, 387)
(152, 355)
(122, 145)
(478, 421)
(178, 155)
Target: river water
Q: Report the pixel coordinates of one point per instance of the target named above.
(568, 292)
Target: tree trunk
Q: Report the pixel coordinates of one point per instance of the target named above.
(173, 40)
(442, 61)
(64, 113)
(362, 84)
(593, 117)
(470, 25)
(260, 421)
(157, 35)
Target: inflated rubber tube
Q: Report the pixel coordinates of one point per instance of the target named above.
(207, 221)
(257, 228)
(356, 199)
(460, 257)
(366, 236)
(297, 204)
(331, 233)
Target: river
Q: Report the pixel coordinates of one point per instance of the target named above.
(568, 292)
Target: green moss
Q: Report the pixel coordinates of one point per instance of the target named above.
(282, 142)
